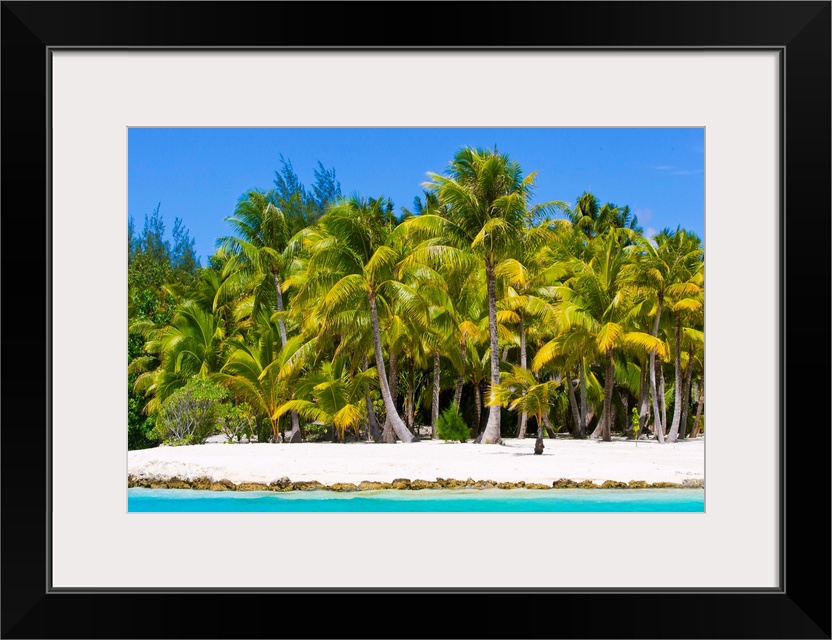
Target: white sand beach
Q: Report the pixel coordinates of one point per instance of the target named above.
(620, 460)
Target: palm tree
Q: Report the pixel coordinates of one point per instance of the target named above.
(596, 299)
(331, 396)
(259, 253)
(487, 199)
(593, 219)
(192, 345)
(684, 296)
(520, 391)
(353, 263)
(671, 260)
(529, 276)
(253, 373)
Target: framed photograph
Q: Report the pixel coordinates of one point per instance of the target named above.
(78, 77)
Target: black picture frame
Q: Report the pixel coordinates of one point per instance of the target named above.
(799, 608)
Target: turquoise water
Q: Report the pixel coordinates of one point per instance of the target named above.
(436, 500)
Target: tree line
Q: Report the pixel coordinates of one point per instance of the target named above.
(320, 311)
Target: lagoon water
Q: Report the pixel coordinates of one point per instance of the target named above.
(436, 500)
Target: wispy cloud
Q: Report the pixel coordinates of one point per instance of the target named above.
(677, 171)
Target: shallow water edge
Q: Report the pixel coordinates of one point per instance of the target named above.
(442, 500)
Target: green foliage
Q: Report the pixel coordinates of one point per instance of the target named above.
(282, 318)
(179, 442)
(191, 413)
(634, 421)
(316, 432)
(451, 426)
(236, 421)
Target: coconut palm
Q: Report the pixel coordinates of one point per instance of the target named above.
(331, 396)
(597, 299)
(670, 259)
(488, 206)
(259, 253)
(352, 265)
(520, 391)
(253, 373)
(192, 345)
(683, 297)
(593, 219)
(529, 276)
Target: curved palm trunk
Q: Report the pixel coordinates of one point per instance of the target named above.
(388, 436)
(395, 421)
(658, 427)
(434, 410)
(524, 416)
(599, 426)
(548, 425)
(677, 369)
(577, 432)
(491, 435)
(294, 434)
(582, 383)
(609, 383)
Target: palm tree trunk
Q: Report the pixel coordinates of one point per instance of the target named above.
(658, 427)
(573, 404)
(434, 411)
(644, 398)
(409, 409)
(548, 425)
(677, 369)
(388, 436)
(625, 403)
(582, 383)
(596, 433)
(491, 435)
(460, 381)
(373, 431)
(395, 421)
(686, 396)
(523, 416)
(609, 383)
(662, 400)
(478, 409)
(700, 403)
(294, 434)
(538, 444)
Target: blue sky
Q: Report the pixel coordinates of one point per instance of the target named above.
(198, 174)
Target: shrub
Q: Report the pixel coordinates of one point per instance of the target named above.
(190, 414)
(451, 426)
(235, 421)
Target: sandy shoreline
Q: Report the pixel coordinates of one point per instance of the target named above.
(329, 463)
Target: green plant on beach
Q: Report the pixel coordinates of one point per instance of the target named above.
(634, 422)
(235, 421)
(190, 414)
(451, 427)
